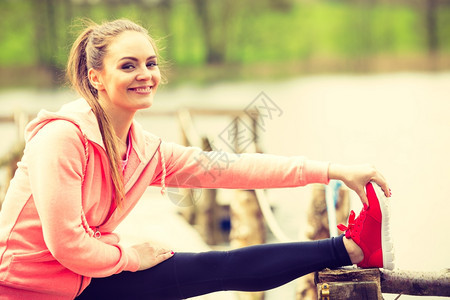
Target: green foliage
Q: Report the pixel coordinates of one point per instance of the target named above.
(16, 36)
(185, 36)
(398, 29)
(253, 32)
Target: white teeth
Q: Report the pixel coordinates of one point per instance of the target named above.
(143, 90)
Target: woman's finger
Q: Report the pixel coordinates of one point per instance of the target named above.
(161, 251)
(164, 256)
(363, 196)
(379, 179)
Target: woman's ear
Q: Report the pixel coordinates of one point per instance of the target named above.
(94, 79)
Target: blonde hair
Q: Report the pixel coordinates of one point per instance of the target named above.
(88, 51)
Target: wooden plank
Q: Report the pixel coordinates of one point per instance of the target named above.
(350, 283)
(6, 119)
(393, 282)
(159, 112)
(363, 290)
(416, 283)
(347, 274)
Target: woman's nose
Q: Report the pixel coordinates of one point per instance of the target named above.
(144, 74)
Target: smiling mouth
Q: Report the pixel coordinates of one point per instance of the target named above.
(146, 89)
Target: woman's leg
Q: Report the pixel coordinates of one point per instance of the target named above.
(254, 268)
(259, 267)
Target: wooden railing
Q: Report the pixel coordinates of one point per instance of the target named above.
(350, 283)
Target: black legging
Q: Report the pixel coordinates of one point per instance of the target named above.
(254, 268)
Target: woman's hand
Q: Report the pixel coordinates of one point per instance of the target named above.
(151, 256)
(356, 177)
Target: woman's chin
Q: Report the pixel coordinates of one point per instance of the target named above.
(145, 104)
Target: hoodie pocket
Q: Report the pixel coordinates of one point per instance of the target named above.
(40, 271)
(40, 256)
(25, 267)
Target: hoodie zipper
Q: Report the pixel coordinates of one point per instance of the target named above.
(81, 286)
(97, 233)
(112, 207)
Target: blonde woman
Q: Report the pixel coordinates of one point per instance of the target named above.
(86, 166)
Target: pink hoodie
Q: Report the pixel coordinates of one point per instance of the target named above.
(56, 229)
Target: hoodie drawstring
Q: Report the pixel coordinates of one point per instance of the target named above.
(164, 172)
(163, 183)
(86, 226)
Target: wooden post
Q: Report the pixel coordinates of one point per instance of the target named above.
(247, 222)
(206, 219)
(11, 159)
(318, 229)
(207, 211)
(247, 228)
(247, 225)
(349, 283)
(189, 137)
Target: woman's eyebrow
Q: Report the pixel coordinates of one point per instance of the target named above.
(135, 59)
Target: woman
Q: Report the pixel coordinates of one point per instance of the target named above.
(85, 167)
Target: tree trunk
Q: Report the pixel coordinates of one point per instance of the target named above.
(430, 17)
(432, 36)
(214, 21)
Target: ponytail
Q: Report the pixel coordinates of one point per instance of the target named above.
(77, 72)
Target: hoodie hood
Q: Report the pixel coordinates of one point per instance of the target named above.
(80, 113)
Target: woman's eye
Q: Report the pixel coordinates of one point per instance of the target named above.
(127, 67)
(152, 64)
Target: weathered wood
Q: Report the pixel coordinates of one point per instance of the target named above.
(351, 283)
(191, 137)
(10, 159)
(393, 282)
(158, 112)
(416, 283)
(247, 222)
(187, 211)
(198, 111)
(247, 228)
(363, 290)
(207, 210)
(206, 217)
(347, 274)
(318, 228)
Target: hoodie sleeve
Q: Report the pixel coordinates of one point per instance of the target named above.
(56, 158)
(190, 167)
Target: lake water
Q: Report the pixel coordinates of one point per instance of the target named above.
(398, 122)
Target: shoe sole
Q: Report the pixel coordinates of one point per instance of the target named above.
(386, 241)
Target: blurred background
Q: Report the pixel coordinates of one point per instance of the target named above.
(353, 81)
(206, 41)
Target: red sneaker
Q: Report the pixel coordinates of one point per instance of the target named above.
(370, 230)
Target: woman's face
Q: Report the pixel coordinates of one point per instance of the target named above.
(130, 74)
